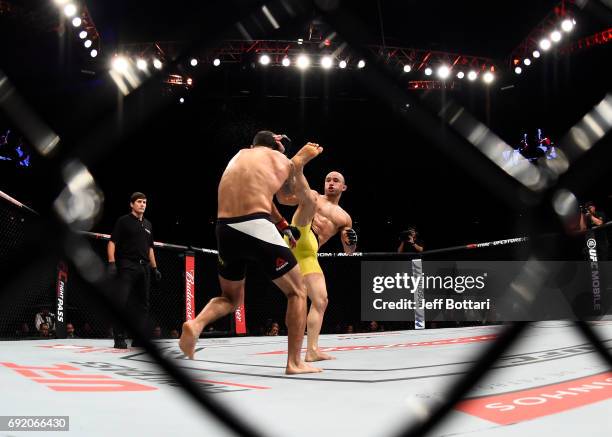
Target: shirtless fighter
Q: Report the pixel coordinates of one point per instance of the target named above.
(246, 233)
(318, 218)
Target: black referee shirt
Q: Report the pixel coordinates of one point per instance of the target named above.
(132, 237)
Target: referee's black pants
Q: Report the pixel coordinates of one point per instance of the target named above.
(133, 294)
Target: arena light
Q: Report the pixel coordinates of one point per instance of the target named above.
(181, 100)
(157, 64)
(488, 77)
(428, 71)
(60, 2)
(93, 53)
(216, 62)
(472, 75)
(189, 81)
(555, 36)
(536, 54)
(518, 70)
(120, 64)
(87, 43)
(361, 63)
(264, 59)
(303, 62)
(461, 75)
(407, 68)
(193, 62)
(70, 10)
(527, 61)
(76, 21)
(83, 34)
(342, 64)
(286, 62)
(141, 64)
(567, 25)
(327, 62)
(443, 72)
(300, 41)
(545, 44)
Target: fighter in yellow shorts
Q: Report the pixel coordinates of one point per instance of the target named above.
(318, 218)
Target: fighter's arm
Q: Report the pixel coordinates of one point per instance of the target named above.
(348, 236)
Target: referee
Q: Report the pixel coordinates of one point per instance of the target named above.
(131, 258)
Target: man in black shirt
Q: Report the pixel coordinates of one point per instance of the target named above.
(593, 219)
(131, 257)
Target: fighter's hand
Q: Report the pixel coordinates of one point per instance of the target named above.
(291, 232)
(350, 236)
(112, 269)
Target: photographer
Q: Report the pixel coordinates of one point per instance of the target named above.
(410, 241)
(593, 219)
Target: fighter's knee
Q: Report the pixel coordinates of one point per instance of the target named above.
(320, 302)
(298, 292)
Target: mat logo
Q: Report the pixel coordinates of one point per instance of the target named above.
(518, 406)
(55, 378)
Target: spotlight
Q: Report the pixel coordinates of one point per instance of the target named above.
(70, 10)
(342, 64)
(76, 22)
(361, 63)
(87, 43)
(93, 53)
(555, 36)
(193, 62)
(286, 62)
(443, 72)
(536, 54)
(120, 64)
(83, 34)
(407, 68)
(189, 81)
(216, 62)
(567, 25)
(527, 61)
(545, 44)
(300, 41)
(327, 62)
(518, 70)
(157, 64)
(428, 71)
(60, 2)
(303, 62)
(264, 59)
(141, 64)
(472, 75)
(488, 77)
(461, 75)
(181, 100)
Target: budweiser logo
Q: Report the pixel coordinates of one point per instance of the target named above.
(189, 288)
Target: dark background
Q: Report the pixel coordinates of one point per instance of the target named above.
(395, 176)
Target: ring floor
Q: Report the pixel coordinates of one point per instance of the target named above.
(551, 380)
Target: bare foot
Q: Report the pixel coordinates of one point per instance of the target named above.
(301, 368)
(317, 356)
(306, 153)
(188, 340)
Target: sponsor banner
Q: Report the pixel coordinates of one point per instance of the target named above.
(521, 405)
(189, 286)
(60, 302)
(484, 291)
(441, 342)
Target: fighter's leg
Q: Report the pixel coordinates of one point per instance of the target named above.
(232, 293)
(317, 292)
(292, 284)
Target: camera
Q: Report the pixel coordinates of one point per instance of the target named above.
(405, 235)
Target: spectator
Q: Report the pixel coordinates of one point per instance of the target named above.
(373, 327)
(44, 316)
(410, 241)
(70, 331)
(86, 331)
(23, 331)
(44, 330)
(174, 334)
(273, 331)
(157, 333)
(350, 329)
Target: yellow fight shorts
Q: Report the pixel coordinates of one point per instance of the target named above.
(306, 250)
